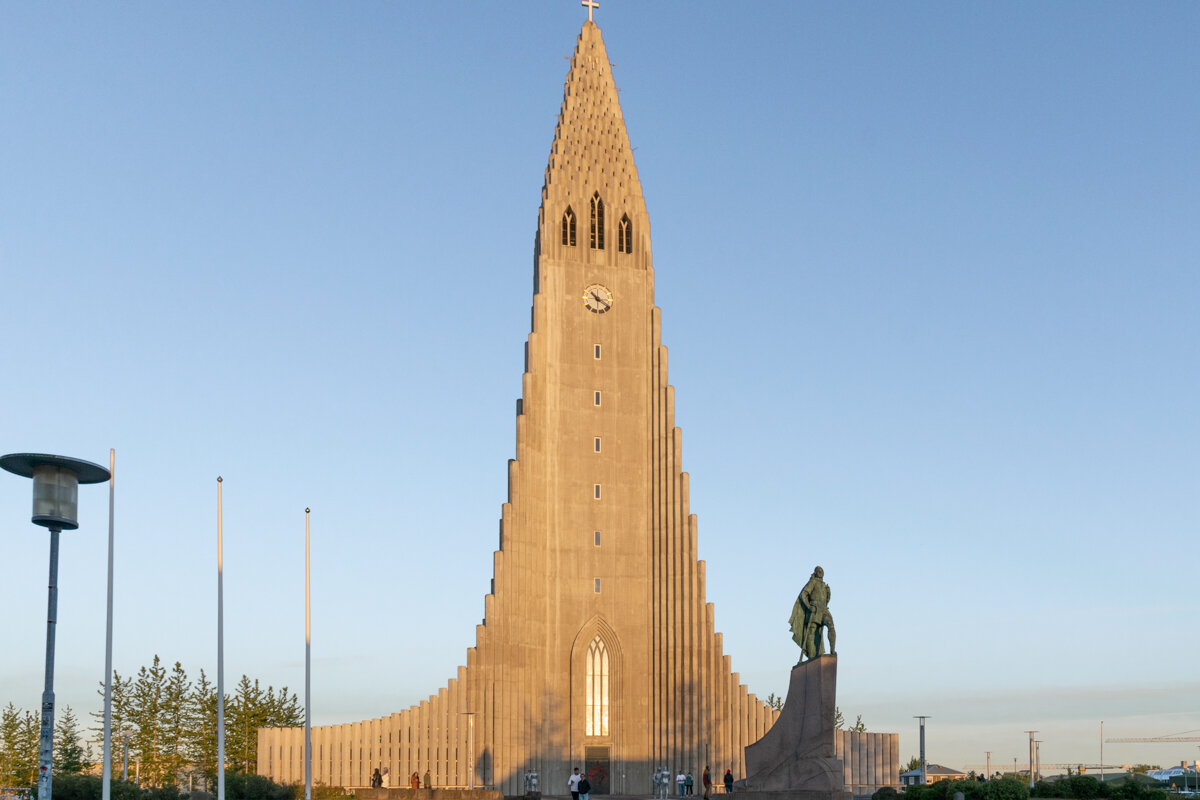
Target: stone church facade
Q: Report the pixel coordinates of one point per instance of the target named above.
(598, 647)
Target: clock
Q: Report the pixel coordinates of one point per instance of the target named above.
(597, 298)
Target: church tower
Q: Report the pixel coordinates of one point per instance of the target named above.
(597, 647)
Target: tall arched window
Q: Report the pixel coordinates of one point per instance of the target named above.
(568, 228)
(597, 241)
(597, 689)
(625, 235)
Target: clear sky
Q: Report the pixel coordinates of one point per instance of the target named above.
(929, 279)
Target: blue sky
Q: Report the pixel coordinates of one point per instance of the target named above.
(929, 282)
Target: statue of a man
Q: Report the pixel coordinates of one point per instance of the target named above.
(810, 613)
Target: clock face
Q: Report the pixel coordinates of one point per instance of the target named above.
(597, 298)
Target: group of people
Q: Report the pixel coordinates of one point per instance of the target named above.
(379, 780)
(579, 786)
(686, 783)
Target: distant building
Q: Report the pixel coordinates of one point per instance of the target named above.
(933, 774)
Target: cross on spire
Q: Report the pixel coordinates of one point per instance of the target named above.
(592, 5)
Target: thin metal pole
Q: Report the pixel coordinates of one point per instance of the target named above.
(1031, 733)
(923, 773)
(307, 665)
(220, 654)
(46, 746)
(1102, 751)
(989, 765)
(106, 773)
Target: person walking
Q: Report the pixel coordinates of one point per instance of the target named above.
(706, 779)
(573, 784)
(728, 781)
(680, 781)
(428, 784)
(585, 787)
(688, 784)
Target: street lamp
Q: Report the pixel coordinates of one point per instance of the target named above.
(56, 482)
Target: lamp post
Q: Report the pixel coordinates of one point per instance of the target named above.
(1031, 733)
(923, 771)
(56, 482)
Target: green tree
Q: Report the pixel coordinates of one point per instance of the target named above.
(121, 703)
(775, 702)
(174, 724)
(253, 708)
(913, 763)
(71, 754)
(1006, 788)
(860, 726)
(201, 743)
(20, 732)
(146, 718)
(242, 721)
(839, 721)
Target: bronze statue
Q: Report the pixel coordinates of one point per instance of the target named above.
(810, 613)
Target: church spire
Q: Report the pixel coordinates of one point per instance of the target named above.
(591, 152)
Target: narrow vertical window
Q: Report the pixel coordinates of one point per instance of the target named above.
(597, 686)
(597, 356)
(597, 538)
(597, 223)
(597, 401)
(625, 235)
(568, 228)
(598, 592)
(597, 444)
(596, 490)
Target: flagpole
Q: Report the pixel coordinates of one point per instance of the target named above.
(220, 656)
(106, 774)
(307, 665)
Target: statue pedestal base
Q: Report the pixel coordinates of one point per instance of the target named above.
(795, 759)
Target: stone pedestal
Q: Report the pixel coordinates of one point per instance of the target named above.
(795, 759)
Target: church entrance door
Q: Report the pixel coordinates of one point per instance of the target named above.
(595, 766)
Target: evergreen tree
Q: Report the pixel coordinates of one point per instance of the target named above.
(10, 726)
(242, 721)
(121, 689)
(284, 710)
(201, 743)
(71, 755)
(146, 718)
(859, 725)
(174, 724)
(20, 733)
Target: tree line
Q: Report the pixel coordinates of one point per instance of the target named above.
(165, 722)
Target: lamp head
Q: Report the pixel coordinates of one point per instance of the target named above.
(56, 482)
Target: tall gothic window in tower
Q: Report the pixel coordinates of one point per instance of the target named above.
(568, 228)
(625, 235)
(597, 689)
(597, 241)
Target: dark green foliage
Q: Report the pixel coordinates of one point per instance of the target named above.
(1007, 788)
(885, 793)
(999, 789)
(239, 786)
(1085, 787)
(87, 787)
